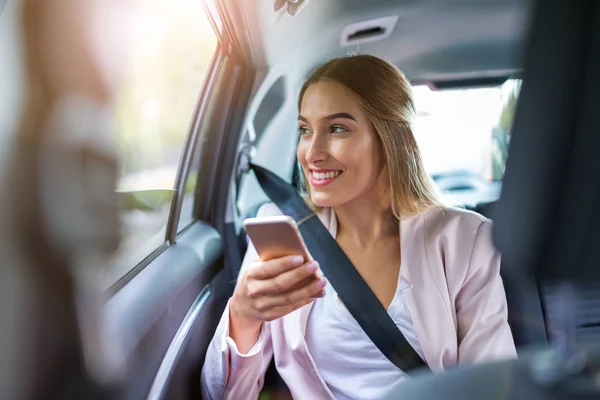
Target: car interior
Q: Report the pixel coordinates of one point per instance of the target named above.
(186, 183)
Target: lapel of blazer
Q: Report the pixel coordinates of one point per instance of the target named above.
(424, 297)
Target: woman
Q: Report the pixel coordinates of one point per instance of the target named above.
(434, 268)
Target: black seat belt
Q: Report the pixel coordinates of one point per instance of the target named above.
(349, 284)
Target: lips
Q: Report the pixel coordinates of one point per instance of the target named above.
(323, 177)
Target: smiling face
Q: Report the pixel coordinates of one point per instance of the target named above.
(338, 149)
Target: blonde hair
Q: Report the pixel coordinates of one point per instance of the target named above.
(385, 94)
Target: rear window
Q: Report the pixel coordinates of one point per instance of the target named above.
(463, 135)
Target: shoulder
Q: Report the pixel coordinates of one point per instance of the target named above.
(465, 241)
(456, 230)
(448, 219)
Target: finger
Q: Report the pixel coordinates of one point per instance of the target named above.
(285, 310)
(287, 281)
(295, 278)
(310, 290)
(269, 269)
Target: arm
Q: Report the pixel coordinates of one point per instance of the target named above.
(227, 371)
(229, 374)
(483, 330)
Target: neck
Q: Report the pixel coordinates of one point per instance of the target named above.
(365, 223)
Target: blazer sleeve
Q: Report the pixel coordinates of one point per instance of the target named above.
(482, 313)
(228, 374)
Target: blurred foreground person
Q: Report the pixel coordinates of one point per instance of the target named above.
(58, 209)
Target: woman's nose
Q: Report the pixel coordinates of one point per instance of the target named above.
(317, 149)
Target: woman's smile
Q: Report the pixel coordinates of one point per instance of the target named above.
(322, 177)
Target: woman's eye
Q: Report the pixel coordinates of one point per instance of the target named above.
(303, 130)
(338, 129)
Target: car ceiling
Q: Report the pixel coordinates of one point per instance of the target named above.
(433, 39)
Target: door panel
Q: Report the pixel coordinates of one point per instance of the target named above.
(179, 377)
(137, 306)
(147, 312)
(177, 347)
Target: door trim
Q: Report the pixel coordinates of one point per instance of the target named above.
(157, 390)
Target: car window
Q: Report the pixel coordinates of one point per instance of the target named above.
(172, 48)
(463, 135)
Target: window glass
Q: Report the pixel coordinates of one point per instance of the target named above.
(172, 48)
(463, 135)
(213, 110)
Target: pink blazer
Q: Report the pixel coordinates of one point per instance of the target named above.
(457, 303)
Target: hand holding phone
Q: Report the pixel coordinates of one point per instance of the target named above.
(285, 278)
(269, 290)
(278, 236)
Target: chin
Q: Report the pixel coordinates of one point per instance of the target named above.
(321, 200)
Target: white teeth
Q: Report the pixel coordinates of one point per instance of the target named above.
(325, 175)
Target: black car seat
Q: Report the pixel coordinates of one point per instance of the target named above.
(533, 306)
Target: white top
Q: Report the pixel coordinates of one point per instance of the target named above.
(348, 361)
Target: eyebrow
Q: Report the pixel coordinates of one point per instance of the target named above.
(330, 117)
